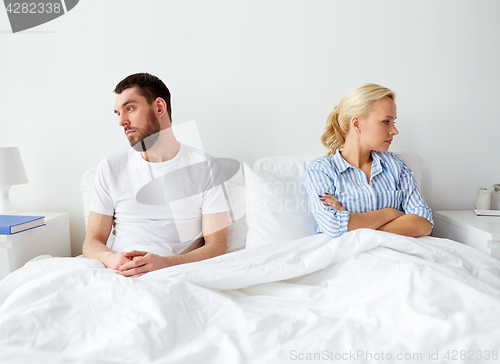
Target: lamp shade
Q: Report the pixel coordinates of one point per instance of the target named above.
(11, 167)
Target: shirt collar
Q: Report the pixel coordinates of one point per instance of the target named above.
(340, 162)
(377, 164)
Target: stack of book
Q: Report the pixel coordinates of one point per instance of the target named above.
(12, 224)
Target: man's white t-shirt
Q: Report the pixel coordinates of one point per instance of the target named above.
(159, 205)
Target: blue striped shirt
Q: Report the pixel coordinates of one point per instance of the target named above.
(392, 185)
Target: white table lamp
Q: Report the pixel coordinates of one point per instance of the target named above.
(11, 173)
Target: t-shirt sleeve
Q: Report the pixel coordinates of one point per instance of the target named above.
(215, 197)
(413, 201)
(318, 181)
(102, 202)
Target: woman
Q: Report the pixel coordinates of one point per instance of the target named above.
(359, 184)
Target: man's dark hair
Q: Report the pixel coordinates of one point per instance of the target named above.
(148, 86)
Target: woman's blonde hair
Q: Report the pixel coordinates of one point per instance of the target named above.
(357, 102)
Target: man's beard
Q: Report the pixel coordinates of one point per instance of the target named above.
(148, 136)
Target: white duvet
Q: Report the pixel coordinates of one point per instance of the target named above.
(365, 297)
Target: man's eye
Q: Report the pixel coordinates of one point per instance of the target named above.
(129, 108)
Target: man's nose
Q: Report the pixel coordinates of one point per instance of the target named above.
(123, 120)
(394, 131)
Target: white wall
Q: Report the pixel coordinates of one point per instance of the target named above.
(259, 77)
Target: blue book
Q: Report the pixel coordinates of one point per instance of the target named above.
(11, 224)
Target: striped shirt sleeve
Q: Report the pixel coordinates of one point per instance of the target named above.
(319, 180)
(413, 201)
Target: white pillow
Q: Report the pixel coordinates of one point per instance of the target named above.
(237, 231)
(277, 208)
(87, 189)
(286, 165)
(237, 235)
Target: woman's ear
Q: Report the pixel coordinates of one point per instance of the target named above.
(355, 123)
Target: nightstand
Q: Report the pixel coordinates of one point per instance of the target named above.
(480, 232)
(50, 239)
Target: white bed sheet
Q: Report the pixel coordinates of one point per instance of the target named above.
(367, 292)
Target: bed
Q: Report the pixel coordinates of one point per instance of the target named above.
(282, 294)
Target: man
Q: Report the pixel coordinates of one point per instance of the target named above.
(162, 198)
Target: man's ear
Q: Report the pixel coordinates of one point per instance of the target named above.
(160, 106)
